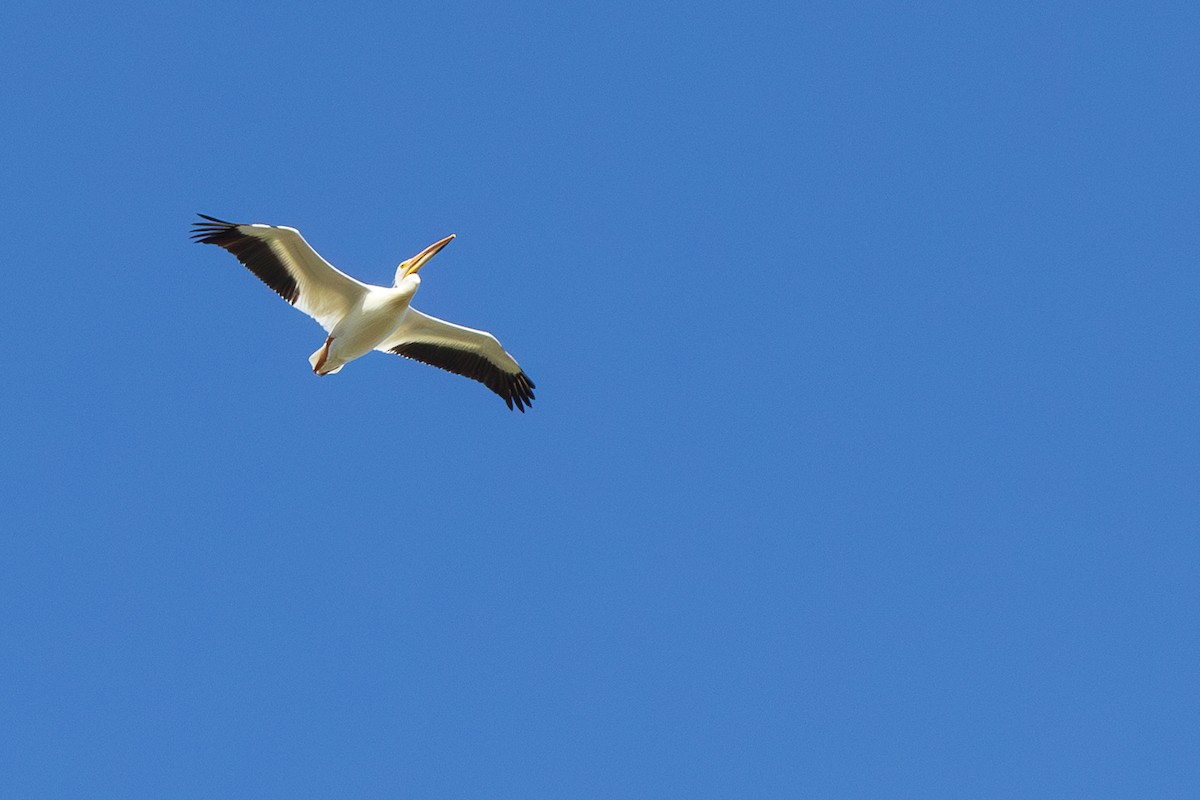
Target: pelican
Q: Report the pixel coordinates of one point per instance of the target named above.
(360, 317)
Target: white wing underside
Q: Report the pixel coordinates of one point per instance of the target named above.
(419, 328)
(325, 293)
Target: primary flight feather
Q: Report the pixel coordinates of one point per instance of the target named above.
(360, 317)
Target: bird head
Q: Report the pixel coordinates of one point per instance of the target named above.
(411, 265)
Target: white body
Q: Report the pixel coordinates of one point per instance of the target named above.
(373, 320)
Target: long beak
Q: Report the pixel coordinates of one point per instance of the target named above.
(418, 261)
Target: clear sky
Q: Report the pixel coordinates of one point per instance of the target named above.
(864, 460)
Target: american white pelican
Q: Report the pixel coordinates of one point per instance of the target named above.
(360, 317)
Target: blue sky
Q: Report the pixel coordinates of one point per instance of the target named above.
(864, 460)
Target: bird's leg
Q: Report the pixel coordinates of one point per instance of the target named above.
(322, 355)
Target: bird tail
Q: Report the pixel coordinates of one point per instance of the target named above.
(320, 360)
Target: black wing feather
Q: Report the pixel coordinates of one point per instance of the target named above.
(514, 388)
(254, 253)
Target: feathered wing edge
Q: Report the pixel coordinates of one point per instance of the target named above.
(513, 388)
(464, 351)
(281, 259)
(254, 253)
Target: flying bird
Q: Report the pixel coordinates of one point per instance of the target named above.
(360, 317)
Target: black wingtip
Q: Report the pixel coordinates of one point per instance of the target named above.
(210, 231)
(211, 219)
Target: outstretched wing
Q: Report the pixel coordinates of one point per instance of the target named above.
(284, 261)
(464, 351)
